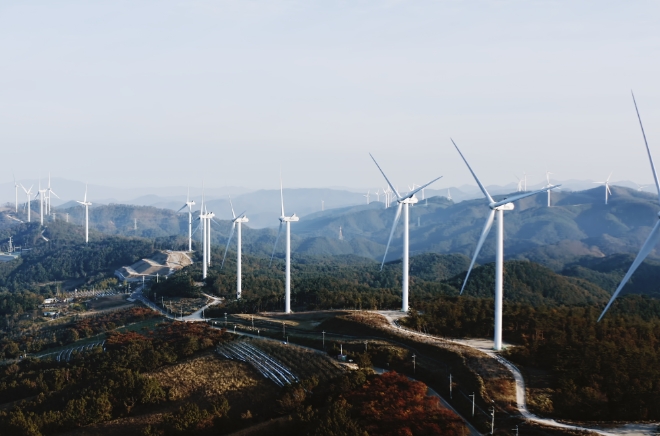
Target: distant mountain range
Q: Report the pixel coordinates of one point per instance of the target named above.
(578, 224)
(260, 204)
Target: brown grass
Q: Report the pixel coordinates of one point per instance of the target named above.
(207, 376)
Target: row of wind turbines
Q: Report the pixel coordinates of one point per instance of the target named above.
(496, 214)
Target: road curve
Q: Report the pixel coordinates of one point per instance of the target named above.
(521, 401)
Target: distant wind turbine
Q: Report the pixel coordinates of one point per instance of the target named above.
(28, 192)
(640, 187)
(497, 209)
(288, 220)
(189, 204)
(16, 186)
(404, 202)
(653, 237)
(547, 176)
(607, 187)
(86, 204)
(42, 200)
(236, 224)
(448, 194)
(50, 191)
(367, 196)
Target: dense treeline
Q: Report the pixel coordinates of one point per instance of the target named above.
(97, 386)
(608, 370)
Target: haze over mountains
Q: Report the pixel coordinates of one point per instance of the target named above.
(578, 224)
(262, 205)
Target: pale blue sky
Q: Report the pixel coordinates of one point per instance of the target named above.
(163, 92)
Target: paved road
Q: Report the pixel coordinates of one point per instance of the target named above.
(485, 346)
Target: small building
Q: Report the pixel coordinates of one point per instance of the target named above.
(50, 300)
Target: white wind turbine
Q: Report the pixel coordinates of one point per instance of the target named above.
(377, 195)
(42, 200)
(640, 187)
(367, 196)
(404, 203)
(547, 176)
(520, 183)
(448, 194)
(50, 191)
(288, 220)
(189, 204)
(236, 223)
(653, 237)
(497, 209)
(16, 186)
(86, 204)
(28, 192)
(607, 187)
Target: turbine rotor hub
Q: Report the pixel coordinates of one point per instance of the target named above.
(507, 206)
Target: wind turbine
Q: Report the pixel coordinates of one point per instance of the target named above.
(448, 194)
(520, 183)
(654, 236)
(189, 204)
(50, 191)
(86, 204)
(236, 220)
(367, 195)
(42, 199)
(640, 187)
(607, 187)
(404, 203)
(497, 209)
(547, 176)
(16, 185)
(28, 192)
(288, 220)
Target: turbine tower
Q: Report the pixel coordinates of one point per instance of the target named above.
(86, 204)
(497, 209)
(50, 191)
(448, 194)
(42, 200)
(404, 202)
(654, 236)
(189, 204)
(288, 220)
(607, 187)
(367, 196)
(16, 185)
(28, 192)
(547, 176)
(236, 220)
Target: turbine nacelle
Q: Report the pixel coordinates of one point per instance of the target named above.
(409, 200)
(505, 206)
(289, 219)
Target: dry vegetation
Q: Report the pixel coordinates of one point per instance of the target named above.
(206, 377)
(187, 305)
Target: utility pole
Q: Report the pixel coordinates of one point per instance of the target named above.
(365, 346)
(450, 387)
(225, 319)
(283, 329)
(492, 421)
(472, 403)
(414, 365)
(323, 339)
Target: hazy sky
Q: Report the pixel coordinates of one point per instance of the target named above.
(167, 92)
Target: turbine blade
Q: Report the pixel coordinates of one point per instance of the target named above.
(85, 200)
(231, 233)
(396, 221)
(483, 189)
(651, 242)
(281, 197)
(410, 194)
(482, 238)
(386, 179)
(197, 228)
(242, 214)
(279, 232)
(50, 191)
(521, 196)
(609, 191)
(182, 207)
(232, 208)
(655, 174)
